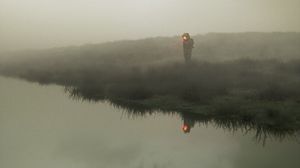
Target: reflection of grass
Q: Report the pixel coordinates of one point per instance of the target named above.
(284, 114)
(262, 95)
(268, 119)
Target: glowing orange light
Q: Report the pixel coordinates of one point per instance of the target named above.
(185, 128)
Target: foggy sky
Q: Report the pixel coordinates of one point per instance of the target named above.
(52, 23)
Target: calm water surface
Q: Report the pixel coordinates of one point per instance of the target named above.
(41, 127)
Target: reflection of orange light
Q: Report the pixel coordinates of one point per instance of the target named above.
(185, 128)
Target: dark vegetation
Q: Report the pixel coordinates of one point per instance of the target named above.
(247, 80)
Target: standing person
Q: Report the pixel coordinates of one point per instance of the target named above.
(188, 45)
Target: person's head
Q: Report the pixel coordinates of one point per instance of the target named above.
(185, 36)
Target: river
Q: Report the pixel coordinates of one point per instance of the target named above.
(42, 127)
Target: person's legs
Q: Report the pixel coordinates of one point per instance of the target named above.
(188, 56)
(185, 54)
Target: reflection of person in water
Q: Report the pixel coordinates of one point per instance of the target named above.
(188, 124)
(188, 45)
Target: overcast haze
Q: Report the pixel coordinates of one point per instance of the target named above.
(51, 23)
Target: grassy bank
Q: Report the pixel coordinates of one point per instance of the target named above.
(255, 85)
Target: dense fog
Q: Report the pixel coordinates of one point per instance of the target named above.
(35, 24)
(112, 59)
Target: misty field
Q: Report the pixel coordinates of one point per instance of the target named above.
(248, 78)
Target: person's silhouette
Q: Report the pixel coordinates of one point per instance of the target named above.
(188, 45)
